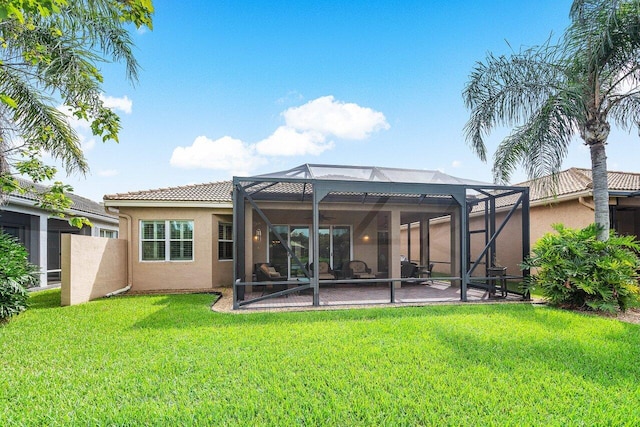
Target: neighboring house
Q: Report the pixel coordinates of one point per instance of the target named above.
(40, 233)
(572, 205)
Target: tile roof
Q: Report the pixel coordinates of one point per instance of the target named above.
(209, 192)
(577, 180)
(80, 204)
(570, 181)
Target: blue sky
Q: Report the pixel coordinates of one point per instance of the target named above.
(244, 87)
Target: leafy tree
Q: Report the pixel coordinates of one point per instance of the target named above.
(550, 93)
(50, 52)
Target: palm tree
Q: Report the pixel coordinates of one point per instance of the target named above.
(50, 57)
(551, 93)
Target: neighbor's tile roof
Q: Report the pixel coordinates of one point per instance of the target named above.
(81, 204)
(577, 180)
(209, 192)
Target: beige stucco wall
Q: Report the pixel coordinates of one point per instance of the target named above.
(204, 272)
(571, 213)
(91, 267)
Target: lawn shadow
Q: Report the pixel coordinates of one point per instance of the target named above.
(194, 310)
(608, 362)
(49, 298)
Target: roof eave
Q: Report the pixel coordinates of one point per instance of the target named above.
(168, 204)
(20, 201)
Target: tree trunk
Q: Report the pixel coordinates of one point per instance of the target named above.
(595, 133)
(600, 188)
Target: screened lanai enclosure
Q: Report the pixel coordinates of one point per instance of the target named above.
(328, 235)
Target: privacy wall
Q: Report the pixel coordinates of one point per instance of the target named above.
(91, 267)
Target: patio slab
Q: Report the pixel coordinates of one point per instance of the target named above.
(422, 293)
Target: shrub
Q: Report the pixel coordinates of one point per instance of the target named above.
(573, 268)
(16, 275)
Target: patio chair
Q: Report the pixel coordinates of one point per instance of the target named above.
(359, 270)
(408, 269)
(268, 273)
(324, 271)
(426, 273)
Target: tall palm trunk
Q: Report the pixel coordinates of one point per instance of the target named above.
(595, 134)
(600, 188)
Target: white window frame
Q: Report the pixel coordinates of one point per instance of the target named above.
(113, 234)
(230, 240)
(166, 239)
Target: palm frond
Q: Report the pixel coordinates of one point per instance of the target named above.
(507, 91)
(97, 23)
(40, 125)
(541, 144)
(606, 33)
(626, 112)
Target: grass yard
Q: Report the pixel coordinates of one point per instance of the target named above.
(169, 360)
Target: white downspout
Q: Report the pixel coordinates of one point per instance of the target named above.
(129, 260)
(119, 291)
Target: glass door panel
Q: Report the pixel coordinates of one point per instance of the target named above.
(325, 244)
(341, 246)
(278, 256)
(299, 241)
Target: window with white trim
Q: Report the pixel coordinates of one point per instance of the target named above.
(225, 241)
(111, 234)
(168, 240)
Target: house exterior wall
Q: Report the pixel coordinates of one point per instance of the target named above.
(571, 213)
(91, 267)
(204, 272)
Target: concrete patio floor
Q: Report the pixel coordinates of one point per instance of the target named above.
(408, 294)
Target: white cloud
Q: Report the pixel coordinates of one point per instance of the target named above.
(306, 132)
(286, 141)
(330, 117)
(456, 164)
(123, 104)
(76, 123)
(108, 172)
(225, 153)
(86, 142)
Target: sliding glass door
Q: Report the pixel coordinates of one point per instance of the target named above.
(335, 245)
(334, 242)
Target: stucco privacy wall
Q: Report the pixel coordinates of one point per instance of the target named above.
(91, 267)
(204, 272)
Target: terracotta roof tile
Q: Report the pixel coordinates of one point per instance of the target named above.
(570, 181)
(576, 180)
(209, 192)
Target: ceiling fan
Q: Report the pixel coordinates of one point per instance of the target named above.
(322, 216)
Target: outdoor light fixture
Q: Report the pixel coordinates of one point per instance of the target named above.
(258, 236)
(365, 238)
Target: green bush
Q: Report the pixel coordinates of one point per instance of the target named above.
(16, 275)
(574, 269)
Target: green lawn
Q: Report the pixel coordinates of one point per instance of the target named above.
(168, 360)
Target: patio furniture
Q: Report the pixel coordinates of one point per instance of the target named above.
(268, 273)
(425, 272)
(497, 282)
(408, 269)
(357, 269)
(324, 271)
